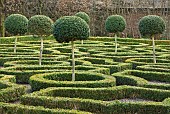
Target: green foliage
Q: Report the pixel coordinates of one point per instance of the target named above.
(151, 25)
(40, 25)
(126, 79)
(91, 99)
(115, 24)
(70, 28)
(152, 76)
(6, 108)
(60, 79)
(84, 16)
(16, 24)
(10, 89)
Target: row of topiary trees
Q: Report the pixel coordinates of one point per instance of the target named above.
(150, 25)
(71, 28)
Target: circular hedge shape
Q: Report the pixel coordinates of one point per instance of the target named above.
(70, 28)
(58, 79)
(40, 25)
(84, 16)
(16, 24)
(115, 23)
(151, 24)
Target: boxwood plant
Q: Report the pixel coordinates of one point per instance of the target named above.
(115, 24)
(152, 25)
(16, 24)
(71, 28)
(40, 25)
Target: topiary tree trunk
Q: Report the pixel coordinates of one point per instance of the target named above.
(82, 42)
(115, 42)
(15, 46)
(73, 61)
(41, 51)
(153, 44)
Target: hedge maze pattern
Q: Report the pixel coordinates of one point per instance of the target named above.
(126, 82)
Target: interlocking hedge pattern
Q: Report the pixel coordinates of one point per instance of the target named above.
(126, 82)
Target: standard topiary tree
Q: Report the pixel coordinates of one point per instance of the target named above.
(71, 28)
(40, 25)
(151, 25)
(16, 24)
(85, 17)
(115, 24)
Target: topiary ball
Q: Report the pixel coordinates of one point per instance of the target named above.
(151, 24)
(70, 28)
(16, 24)
(115, 23)
(84, 16)
(40, 25)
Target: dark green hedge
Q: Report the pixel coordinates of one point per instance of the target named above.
(63, 79)
(155, 68)
(142, 79)
(152, 76)
(126, 79)
(9, 91)
(23, 109)
(146, 61)
(82, 99)
(23, 72)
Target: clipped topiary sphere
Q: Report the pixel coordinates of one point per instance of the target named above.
(70, 28)
(84, 16)
(115, 23)
(40, 25)
(151, 24)
(16, 24)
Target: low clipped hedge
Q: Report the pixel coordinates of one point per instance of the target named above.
(9, 88)
(6, 108)
(152, 76)
(24, 72)
(63, 79)
(146, 41)
(13, 90)
(145, 61)
(8, 40)
(34, 62)
(9, 78)
(148, 79)
(155, 68)
(91, 100)
(125, 78)
(121, 56)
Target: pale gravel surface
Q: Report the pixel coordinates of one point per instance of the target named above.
(157, 82)
(134, 100)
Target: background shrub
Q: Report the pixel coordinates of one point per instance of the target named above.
(84, 16)
(40, 25)
(16, 24)
(151, 25)
(115, 24)
(70, 28)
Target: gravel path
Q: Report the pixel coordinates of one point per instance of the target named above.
(157, 82)
(135, 100)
